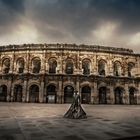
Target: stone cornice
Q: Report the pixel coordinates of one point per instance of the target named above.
(72, 47)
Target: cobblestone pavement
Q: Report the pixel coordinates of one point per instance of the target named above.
(27, 121)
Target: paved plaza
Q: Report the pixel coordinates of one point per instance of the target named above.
(27, 121)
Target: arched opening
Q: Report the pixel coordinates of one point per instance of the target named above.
(86, 66)
(34, 94)
(52, 66)
(17, 93)
(130, 68)
(132, 96)
(3, 93)
(68, 94)
(69, 67)
(117, 68)
(118, 95)
(51, 94)
(20, 65)
(86, 95)
(6, 65)
(36, 65)
(101, 67)
(102, 95)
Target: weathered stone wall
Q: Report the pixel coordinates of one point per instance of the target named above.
(105, 89)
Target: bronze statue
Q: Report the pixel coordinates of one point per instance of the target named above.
(75, 111)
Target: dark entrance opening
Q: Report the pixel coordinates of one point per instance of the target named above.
(86, 95)
(34, 94)
(17, 93)
(132, 99)
(118, 95)
(51, 94)
(68, 94)
(3, 93)
(102, 95)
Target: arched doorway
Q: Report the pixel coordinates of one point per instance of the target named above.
(118, 95)
(18, 93)
(51, 94)
(132, 99)
(68, 94)
(34, 94)
(86, 95)
(102, 95)
(3, 93)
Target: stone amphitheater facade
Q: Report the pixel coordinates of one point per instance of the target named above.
(49, 73)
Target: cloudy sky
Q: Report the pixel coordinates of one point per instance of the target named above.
(101, 22)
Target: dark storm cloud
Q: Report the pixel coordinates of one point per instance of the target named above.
(78, 17)
(10, 11)
(73, 20)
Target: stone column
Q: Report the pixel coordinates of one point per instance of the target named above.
(41, 93)
(24, 92)
(26, 70)
(59, 92)
(27, 96)
(77, 85)
(11, 64)
(112, 96)
(126, 95)
(12, 93)
(9, 91)
(92, 95)
(138, 95)
(95, 94)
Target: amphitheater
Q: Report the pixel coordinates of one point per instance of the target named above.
(49, 73)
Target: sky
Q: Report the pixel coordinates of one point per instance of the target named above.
(114, 23)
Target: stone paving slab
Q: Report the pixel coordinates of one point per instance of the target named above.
(28, 121)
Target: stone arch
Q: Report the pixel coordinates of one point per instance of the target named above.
(51, 93)
(18, 89)
(52, 65)
(119, 91)
(3, 93)
(6, 65)
(36, 65)
(20, 64)
(130, 67)
(102, 67)
(86, 66)
(69, 66)
(68, 94)
(86, 94)
(34, 93)
(102, 84)
(102, 94)
(117, 68)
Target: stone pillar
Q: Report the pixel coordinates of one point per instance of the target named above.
(9, 91)
(77, 85)
(112, 95)
(24, 92)
(11, 65)
(12, 93)
(41, 93)
(26, 70)
(110, 69)
(59, 92)
(95, 94)
(126, 95)
(138, 95)
(92, 95)
(27, 96)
